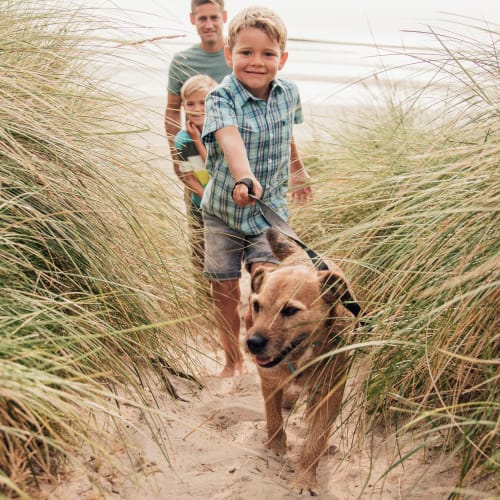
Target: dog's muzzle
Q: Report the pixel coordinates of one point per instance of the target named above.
(257, 343)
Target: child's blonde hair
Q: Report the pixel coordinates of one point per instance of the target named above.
(197, 83)
(261, 18)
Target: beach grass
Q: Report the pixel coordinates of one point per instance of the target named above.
(95, 276)
(408, 197)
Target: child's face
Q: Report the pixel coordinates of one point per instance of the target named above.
(194, 107)
(255, 59)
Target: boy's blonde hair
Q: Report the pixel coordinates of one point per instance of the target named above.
(197, 3)
(197, 83)
(261, 18)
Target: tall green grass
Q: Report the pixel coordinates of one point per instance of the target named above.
(409, 195)
(94, 284)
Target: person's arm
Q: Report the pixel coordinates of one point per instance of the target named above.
(172, 127)
(299, 178)
(235, 153)
(192, 183)
(186, 174)
(195, 135)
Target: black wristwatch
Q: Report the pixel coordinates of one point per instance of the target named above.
(248, 183)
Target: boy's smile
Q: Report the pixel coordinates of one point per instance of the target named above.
(255, 59)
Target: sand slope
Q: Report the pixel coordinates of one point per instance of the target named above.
(215, 440)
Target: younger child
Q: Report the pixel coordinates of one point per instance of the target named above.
(248, 134)
(191, 155)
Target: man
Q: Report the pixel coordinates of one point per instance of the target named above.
(208, 16)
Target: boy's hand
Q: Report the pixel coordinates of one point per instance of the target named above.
(241, 191)
(193, 131)
(300, 188)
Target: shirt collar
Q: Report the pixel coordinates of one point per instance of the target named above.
(243, 95)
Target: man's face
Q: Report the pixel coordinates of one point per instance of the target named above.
(209, 21)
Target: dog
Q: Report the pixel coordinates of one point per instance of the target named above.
(298, 315)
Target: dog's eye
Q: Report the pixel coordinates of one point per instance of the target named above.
(289, 311)
(256, 307)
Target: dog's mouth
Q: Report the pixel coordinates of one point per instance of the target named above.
(270, 362)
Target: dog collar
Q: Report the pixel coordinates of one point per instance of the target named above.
(292, 366)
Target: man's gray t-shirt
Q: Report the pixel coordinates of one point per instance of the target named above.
(196, 61)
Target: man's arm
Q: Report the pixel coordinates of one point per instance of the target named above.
(172, 126)
(235, 153)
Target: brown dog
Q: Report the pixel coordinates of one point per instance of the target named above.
(298, 316)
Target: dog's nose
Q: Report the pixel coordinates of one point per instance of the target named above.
(256, 343)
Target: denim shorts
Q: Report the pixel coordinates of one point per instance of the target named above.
(225, 249)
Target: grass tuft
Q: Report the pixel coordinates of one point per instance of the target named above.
(95, 282)
(408, 195)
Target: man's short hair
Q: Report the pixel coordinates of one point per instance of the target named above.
(261, 18)
(197, 3)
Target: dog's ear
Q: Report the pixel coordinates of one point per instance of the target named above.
(334, 288)
(281, 246)
(257, 278)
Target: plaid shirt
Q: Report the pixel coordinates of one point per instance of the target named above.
(266, 130)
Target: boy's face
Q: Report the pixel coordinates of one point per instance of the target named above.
(209, 21)
(255, 59)
(194, 107)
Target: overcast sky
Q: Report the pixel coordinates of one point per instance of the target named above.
(381, 21)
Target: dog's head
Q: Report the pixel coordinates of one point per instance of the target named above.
(295, 305)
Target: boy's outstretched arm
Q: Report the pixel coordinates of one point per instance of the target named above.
(300, 187)
(235, 153)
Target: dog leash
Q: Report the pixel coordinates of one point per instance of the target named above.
(279, 223)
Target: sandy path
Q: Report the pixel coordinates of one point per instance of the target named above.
(216, 448)
(215, 441)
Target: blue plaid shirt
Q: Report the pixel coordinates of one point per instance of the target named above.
(266, 130)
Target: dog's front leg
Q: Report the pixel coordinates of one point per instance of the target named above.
(322, 409)
(276, 437)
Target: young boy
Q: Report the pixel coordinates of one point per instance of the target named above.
(191, 154)
(205, 58)
(248, 134)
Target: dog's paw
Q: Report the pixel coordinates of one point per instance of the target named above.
(278, 449)
(306, 484)
(306, 490)
(278, 444)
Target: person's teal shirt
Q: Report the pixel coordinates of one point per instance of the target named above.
(190, 161)
(266, 128)
(195, 61)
